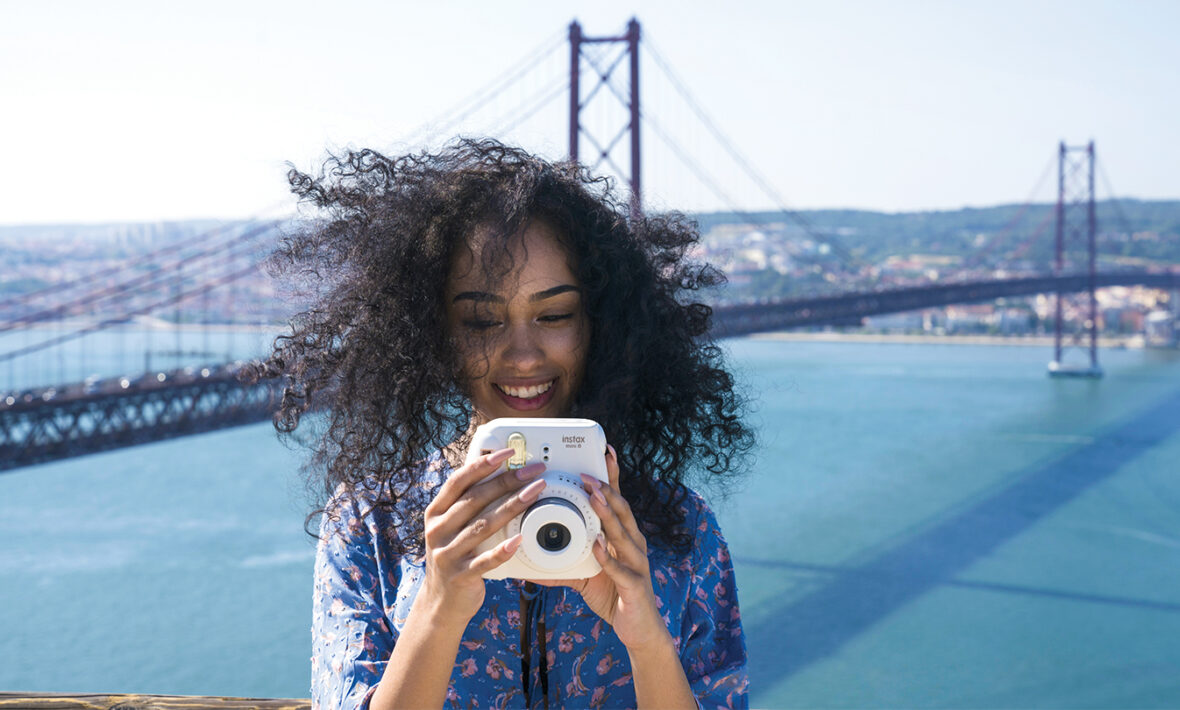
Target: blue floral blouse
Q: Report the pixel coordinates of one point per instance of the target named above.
(363, 593)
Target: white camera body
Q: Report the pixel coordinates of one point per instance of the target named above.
(559, 529)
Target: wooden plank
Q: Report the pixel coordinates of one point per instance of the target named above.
(98, 701)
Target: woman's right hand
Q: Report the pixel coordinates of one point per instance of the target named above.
(467, 511)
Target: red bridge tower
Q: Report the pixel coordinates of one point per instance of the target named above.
(1076, 223)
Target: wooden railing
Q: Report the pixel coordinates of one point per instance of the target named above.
(98, 701)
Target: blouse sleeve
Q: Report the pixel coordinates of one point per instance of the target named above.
(713, 649)
(351, 637)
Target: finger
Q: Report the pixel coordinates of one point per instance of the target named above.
(489, 560)
(623, 577)
(476, 499)
(464, 477)
(495, 516)
(630, 547)
(611, 499)
(622, 509)
(443, 527)
(612, 467)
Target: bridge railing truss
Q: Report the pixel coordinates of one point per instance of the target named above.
(845, 309)
(39, 432)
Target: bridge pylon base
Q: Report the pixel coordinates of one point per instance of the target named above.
(1059, 369)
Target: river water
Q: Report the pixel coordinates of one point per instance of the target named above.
(924, 525)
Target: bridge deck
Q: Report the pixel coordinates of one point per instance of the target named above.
(46, 428)
(54, 423)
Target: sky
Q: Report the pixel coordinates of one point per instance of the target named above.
(134, 111)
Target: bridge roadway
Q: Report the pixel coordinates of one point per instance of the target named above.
(48, 424)
(731, 320)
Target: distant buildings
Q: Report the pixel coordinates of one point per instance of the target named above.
(769, 260)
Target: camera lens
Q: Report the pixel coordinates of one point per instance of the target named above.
(553, 537)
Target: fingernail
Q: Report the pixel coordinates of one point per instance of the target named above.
(595, 487)
(601, 540)
(500, 456)
(611, 449)
(526, 472)
(513, 543)
(532, 490)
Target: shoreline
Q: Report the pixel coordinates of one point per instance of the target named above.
(1104, 341)
(1040, 341)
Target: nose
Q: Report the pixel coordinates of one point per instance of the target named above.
(523, 351)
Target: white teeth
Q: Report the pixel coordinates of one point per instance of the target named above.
(527, 392)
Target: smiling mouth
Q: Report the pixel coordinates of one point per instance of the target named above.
(526, 393)
(527, 399)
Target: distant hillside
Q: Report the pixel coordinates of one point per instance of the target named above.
(781, 261)
(1138, 229)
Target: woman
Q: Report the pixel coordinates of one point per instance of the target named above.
(478, 283)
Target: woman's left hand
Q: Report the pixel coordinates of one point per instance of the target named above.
(622, 592)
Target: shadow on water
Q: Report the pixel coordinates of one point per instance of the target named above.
(1063, 594)
(809, 629)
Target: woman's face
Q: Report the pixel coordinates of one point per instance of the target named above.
(522, 338)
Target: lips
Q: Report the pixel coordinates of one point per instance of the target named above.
(526, 397)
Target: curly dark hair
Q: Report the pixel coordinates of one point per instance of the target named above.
(374, 354)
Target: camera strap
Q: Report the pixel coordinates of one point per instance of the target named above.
(531, 604)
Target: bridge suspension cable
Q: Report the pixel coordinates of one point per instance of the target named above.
(1038, 231)
(1116, 203)
(162, 277)
(701, 173)
(742, 162)
(147, 257)
(1010, 227)
(445, 122)
(537, 101)
(171, 299)
(104, 273)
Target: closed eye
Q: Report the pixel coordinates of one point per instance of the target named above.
(480, 324)
(556, 317)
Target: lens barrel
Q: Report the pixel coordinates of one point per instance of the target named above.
(553, 537)
(555, 533)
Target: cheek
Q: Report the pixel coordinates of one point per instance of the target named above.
(472, 356)
(574, 347)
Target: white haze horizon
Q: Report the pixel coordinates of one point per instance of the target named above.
(133, 111)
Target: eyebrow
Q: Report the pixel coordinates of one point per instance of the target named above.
(485, 297)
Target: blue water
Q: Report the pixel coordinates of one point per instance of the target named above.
(924, 526)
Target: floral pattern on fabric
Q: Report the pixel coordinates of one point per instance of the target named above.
(363, 593)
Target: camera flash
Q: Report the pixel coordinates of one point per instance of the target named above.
(516, 442)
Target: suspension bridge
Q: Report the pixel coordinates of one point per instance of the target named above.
(195, 285)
